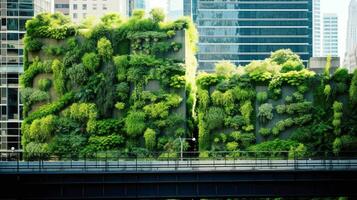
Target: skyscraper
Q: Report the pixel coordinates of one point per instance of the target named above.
(242, 32)
(317, 28)
(351, 39)
(14, 14)
(330, 35)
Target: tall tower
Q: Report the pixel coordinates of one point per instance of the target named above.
(316, 28)
(242, 32)
(330, 35)
(13, 14)
(351, 38)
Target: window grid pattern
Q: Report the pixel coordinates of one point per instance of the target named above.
(14, 14)
(246, 30)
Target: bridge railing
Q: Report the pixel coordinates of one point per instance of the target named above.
(158, 161)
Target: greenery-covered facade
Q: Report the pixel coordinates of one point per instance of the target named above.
(113, 85)
(131, 86)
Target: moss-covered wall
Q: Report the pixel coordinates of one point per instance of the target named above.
(275, 105)
(117, 85)
(130, 85)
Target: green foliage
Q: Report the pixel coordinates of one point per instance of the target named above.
(37, 67)
(327, 91)
(32, 44)
(67, 145)
(232, 146)
(135, 123)
(58, 76)
(111, 20)
(274, 146)
(105, 49)
(246, 110)
(294, 108)
(41, 129)
(121, 63)
(215, 118)
(337, 117)
(292, 65)
(91, 61)
(52, 108)
(30, 96)
(284, 55)
(44, 84)
(262, 97)
(157, 15)
(35, 150)
(102, 143)
(265, 132)
(265, 112)
(107, 126)
(150, 138)
(353, 89)
(54, 26)
(177, 81)
(53, 50)
(224, 68)
(77, 75)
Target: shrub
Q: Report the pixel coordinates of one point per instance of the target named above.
(135, 123)
(353, 88)
(235, 122)
(157, 110)
(265, 132)
(35, 150)
(157, 15)
(44, 84)
(51, 108)
(91, 61)
(150, 139)
(327, 91)
(265, 112)
(337, 117)
(246, 110)
(120, 105)
(67, 145)
(243, 94)
(121, 63)
(37, 67)
(214, 118)
(225, 68)
(274, 147)
(42, 129)
(102, 143)
(30, 96)
(78, 75)
(82, 112)
(105, 49)
(32, 44)
(177, 81)
(292, 65)
(232, 146)
(107, 127)
(58, 76)
(262, 97)
(284, 55)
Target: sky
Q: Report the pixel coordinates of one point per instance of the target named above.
(340, 7)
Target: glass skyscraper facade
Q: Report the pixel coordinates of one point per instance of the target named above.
(14, 14)
(244, 30)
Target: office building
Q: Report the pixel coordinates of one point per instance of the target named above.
(351, 39)
(174, 9)
(330, 35)
(62, 6)
(316, 28)
(80, 9)
(242, 32)
(14, 14)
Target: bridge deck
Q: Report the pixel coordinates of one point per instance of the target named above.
(176, 165)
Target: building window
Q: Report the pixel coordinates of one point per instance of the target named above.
(105, 7)
(84, 6)
(74, 6)
(74, 15)
(94, 6)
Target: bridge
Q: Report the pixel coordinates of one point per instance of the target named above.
(175, 178)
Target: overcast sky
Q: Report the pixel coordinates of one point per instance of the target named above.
(340, 7)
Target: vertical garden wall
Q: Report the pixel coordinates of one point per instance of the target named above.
(115, 84)
(276, 105)
(130, 85)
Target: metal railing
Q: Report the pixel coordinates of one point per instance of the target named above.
(171, 161)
